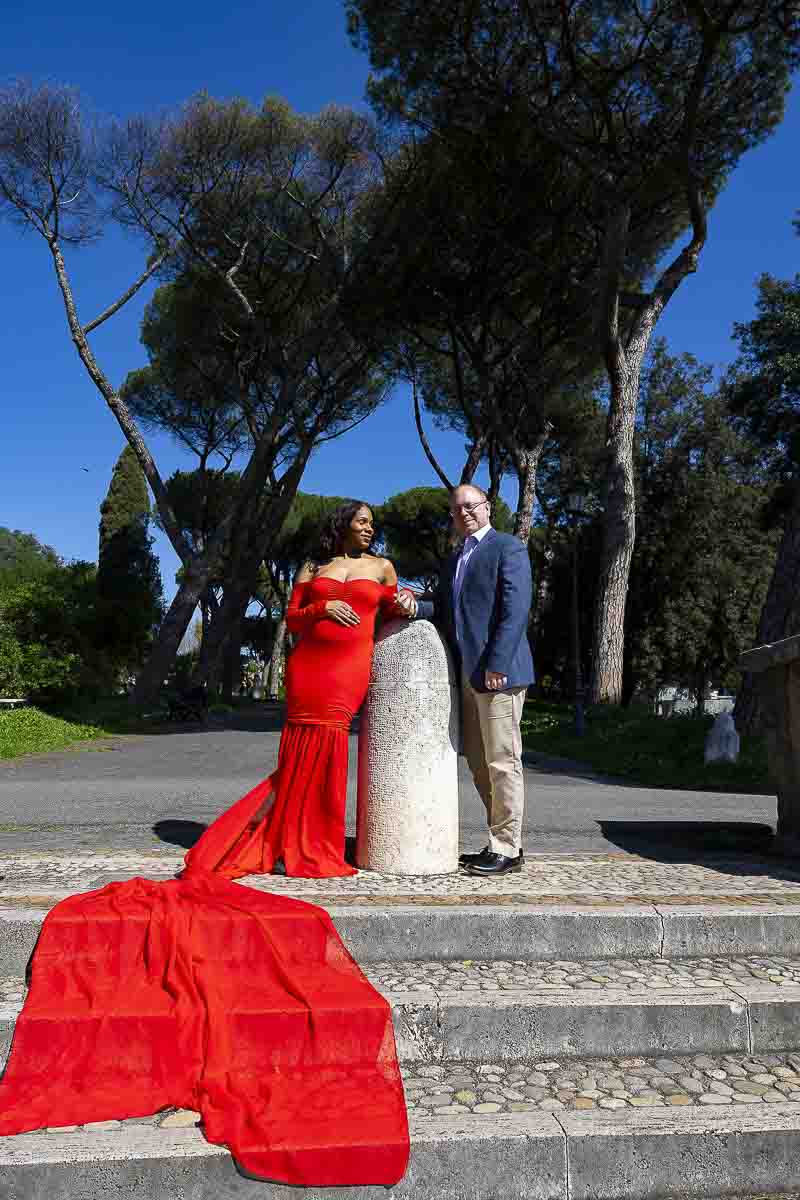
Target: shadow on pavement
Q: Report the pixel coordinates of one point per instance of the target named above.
(179, 833)
(742, 847)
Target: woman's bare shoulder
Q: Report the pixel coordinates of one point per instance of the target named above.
(388, 573)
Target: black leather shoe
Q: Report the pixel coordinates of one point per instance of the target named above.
(465, 859)
(495, 864)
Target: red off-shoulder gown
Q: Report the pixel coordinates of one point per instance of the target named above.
(242, 1005)
(326, 681)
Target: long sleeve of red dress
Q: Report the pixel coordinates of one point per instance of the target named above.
(301, 615)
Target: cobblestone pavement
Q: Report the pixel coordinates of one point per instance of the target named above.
(487, 1089)
(614, 1083)
(592, 876)
(633, 976)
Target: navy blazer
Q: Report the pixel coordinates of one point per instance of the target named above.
(487, 629)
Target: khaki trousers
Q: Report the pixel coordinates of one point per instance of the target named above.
(490, 724)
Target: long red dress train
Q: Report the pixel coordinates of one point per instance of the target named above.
(243, 1005)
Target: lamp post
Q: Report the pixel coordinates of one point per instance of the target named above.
(576, 507)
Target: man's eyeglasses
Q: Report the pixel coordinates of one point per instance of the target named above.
(466, 509)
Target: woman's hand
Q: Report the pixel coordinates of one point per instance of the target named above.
(342, 613)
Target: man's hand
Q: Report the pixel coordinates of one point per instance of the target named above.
(495, 682)
(406, 603)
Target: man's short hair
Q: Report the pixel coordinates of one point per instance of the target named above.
(474, 487)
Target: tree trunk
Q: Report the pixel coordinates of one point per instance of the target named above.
(473, 460)
(165, 648)
(619, 533)
(780, 616)
(277, 660)
(231, 669)
(526, 463)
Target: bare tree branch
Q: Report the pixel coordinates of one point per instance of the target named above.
(424, 441)
(131, 292)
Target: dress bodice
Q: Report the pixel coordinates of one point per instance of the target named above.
(362, 594)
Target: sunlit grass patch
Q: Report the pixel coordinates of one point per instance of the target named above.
(654, 751)
(33, 731)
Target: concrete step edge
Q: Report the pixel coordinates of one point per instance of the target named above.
(527, 1025)
(637, 1155)
(425, 932)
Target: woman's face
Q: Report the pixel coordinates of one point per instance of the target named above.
(361, 528)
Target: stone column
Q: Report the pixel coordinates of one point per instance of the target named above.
(776, 667)
(408, 755)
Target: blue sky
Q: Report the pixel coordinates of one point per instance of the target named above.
(149, 57)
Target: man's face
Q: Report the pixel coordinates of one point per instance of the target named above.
(469, 511)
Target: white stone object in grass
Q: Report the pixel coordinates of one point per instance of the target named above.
(722, 743)
(408, 755)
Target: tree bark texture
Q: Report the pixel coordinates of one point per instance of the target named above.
(624, 356)
(251, 550)
(232, 657)
(277, 660)
(165, 648)
(526, 463)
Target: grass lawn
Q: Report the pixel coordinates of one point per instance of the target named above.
(32, 731)
(653, 751)
(35, 730)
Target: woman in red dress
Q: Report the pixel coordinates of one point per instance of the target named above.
(295, 819)
(240, 1004)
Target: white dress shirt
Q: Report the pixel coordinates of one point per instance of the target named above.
(467, 551)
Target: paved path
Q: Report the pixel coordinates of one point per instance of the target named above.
(143, 791)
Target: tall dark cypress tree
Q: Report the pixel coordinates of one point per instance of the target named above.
(129, 591)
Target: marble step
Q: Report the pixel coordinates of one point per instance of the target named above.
(629, 1154)
(501, 928)
(480, 1010)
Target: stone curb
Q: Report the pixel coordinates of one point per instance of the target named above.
(577, 1156)
(526, 1026)
(426, 932)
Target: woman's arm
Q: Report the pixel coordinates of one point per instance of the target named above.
(300, 615)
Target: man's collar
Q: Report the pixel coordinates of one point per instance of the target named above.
(481, 533)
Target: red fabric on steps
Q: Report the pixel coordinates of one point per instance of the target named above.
(198, 993)
(243, 1005)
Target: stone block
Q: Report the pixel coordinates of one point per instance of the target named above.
(416, 1026)
(774, 1016)
(684, 1152)
(528, 1026)
(408, 755)
(731, 930)
(519, 1156)
(19, 929)
(423, 933)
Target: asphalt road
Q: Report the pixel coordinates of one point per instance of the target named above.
(158, 790)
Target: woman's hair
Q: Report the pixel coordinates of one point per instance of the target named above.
(334, 529)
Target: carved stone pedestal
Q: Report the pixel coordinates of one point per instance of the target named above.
(408, 755)
(777, 670)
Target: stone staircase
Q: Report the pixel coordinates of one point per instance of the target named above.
(596, 1026)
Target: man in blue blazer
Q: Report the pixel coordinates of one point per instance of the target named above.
(481, 607)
